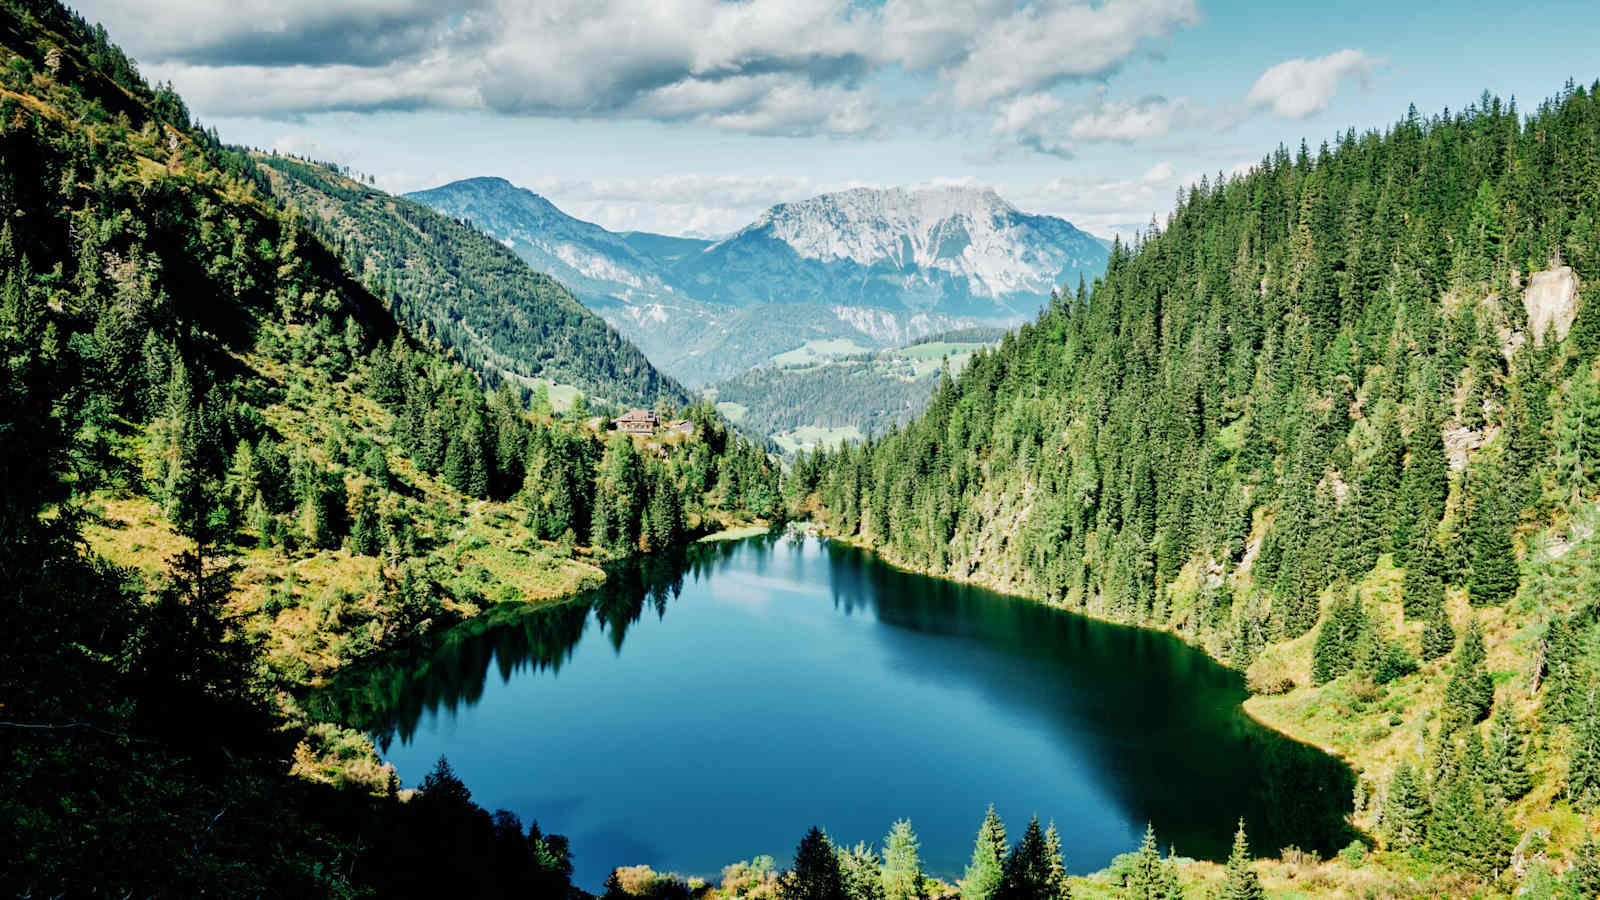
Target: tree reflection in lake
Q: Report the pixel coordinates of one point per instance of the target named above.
(801, 682)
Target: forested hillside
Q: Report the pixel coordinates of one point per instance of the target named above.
(1336, 423)
(448, 280)
(857, 394)
(228, 472)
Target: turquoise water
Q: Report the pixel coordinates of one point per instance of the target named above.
(708, 709)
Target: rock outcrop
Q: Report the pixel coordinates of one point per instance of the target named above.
(1551, 300)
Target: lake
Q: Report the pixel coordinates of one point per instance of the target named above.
(708, 708)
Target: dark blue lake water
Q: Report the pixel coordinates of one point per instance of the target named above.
(711, 708)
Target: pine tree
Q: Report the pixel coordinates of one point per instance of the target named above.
(1467, 826)
(1583, 764)
(1423, 585)
(902, 866)
(1151, 878)
(1333, 654)
(1376, 499)
(1470, 691)
(1508, 760)
(1440, 636)
(366, 534)
(989, 852)
(1060, 889)
(1405, 809)
(1494, 573)
(816, 874)
(1027, 870)
(861, 870)
(1240, 881)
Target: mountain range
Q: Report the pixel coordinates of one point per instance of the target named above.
(876, 266)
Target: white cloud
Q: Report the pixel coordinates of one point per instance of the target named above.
(1040, 45)
(1299, 87)
(1159, 173)
(1033, 120)
(1131, 120)
(761, 66)
(1103, 206)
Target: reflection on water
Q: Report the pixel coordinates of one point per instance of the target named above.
(709, 707)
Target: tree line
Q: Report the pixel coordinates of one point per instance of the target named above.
(1316, 371)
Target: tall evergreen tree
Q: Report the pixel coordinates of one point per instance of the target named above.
(1583, 766)
(1333, 653)
(1494, 574)
(1423, 585)
(1405, 809)
(989, 852)
(1439, 637)
(1151, 878)
(1027, 874)
(1239, 880)
(862, 871)
(1059, 887)
(816, 874)
(1470, 691)
(902, 864)
(1507, 759)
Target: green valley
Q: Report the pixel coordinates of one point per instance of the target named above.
(825, 392)
(821, 526)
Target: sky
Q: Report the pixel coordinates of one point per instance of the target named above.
(693, 116)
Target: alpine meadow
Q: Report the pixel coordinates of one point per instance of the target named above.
(743, 451)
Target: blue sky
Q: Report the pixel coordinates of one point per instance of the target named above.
(691, 116)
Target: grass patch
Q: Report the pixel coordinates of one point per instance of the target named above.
(817, 350)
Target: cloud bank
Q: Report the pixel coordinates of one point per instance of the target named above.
(790, 67)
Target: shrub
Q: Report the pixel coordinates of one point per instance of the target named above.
(1269, 676)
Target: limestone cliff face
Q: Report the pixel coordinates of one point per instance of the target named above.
(1551, 300)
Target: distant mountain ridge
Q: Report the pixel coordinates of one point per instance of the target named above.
(953, 250)
(877, 266)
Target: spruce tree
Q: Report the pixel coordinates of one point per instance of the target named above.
(1439, 638)
(1239, 880)
(902, 866)
(366, 534)
(816, 874)
(457, 467)
(1508, 760)
(1423, 585)
(259, 520)
(1470, 691)
(1494, 573)
(989, 851)
(1027, 873)
(1151, 878)
(1333, 654)
(1376, 499)
(1405, 809)
(861, 870)
(1059, 887)
(1423, 487)
(1583, 763)
(1468, 826)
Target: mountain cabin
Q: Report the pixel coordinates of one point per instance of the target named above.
(638, 421)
